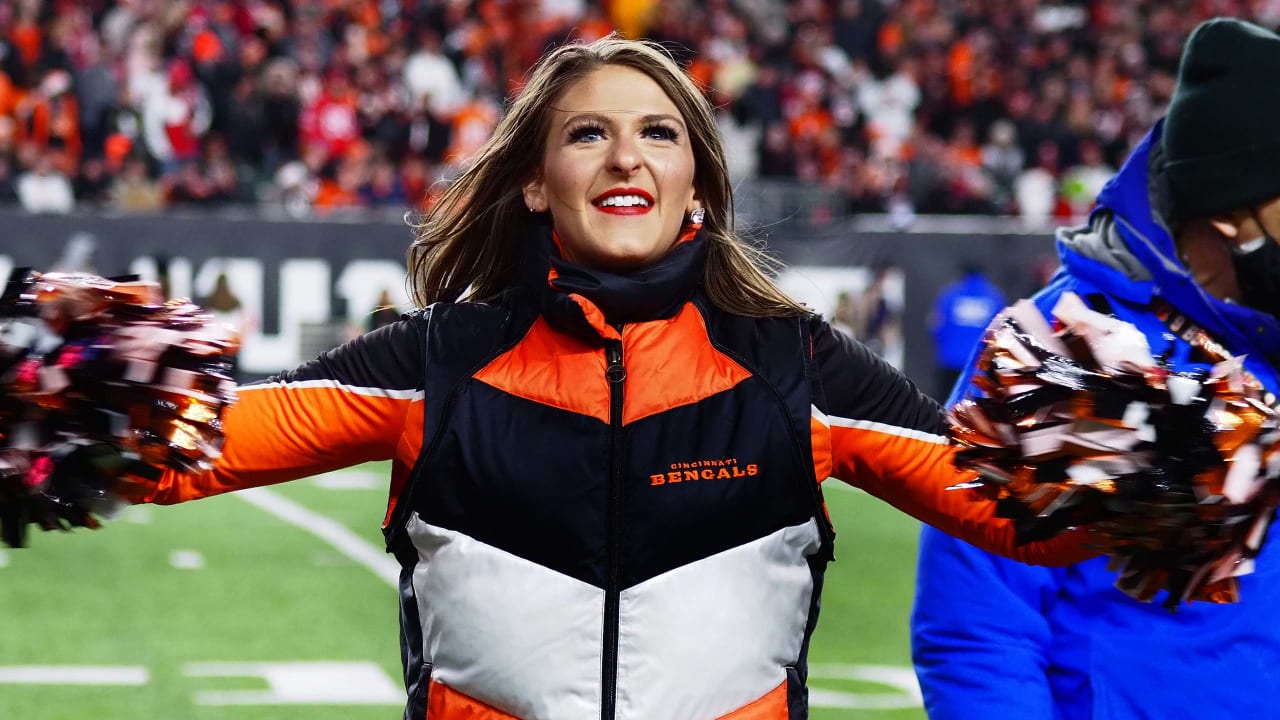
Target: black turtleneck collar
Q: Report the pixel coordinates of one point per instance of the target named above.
(586, 302)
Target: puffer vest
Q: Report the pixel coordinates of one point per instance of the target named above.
(615, 513)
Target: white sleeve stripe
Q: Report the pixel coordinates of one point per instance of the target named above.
(833, 421)
(413, 395)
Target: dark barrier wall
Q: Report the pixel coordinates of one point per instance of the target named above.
(290, 274)
(928, 261)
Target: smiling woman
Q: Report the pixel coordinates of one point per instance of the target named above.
(588, 118)
(617, 172)
(608, 427)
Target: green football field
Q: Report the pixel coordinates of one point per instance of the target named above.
(228, 609)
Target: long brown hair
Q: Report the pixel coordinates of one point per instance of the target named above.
(467, 245)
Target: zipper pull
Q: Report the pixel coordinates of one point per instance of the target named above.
(616, 372)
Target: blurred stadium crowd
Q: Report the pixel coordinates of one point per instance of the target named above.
(939, 106)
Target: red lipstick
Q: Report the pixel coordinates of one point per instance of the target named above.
(629, 201)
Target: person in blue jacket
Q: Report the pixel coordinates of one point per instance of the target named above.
(1182, 244)
(961, 313)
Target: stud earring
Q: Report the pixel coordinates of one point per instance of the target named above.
(697, 215)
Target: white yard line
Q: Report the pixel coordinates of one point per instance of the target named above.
(300, 683)
(904, 691)
(186, 559)
(137, 514)
(330, 531)
(351, 480)
(73, 675)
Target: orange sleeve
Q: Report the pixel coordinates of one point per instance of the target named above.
(914, 472)
(360, 402)
(874, 429)
(276, 432)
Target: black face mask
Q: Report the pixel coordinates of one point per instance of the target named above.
(1258, 274)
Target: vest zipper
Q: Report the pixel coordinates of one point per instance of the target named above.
(615, 373)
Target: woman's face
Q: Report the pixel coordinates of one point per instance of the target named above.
(617, 171)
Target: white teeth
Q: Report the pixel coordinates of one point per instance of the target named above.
(624, 201)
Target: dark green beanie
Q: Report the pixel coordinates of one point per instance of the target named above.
(1222, 133)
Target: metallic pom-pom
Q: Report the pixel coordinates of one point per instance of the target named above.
(1176, 473)
(103, 386)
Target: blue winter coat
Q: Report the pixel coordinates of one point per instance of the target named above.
(992, 638)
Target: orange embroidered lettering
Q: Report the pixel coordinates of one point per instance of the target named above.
(723, 468)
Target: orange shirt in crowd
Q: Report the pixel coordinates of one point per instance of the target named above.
(967, 155)
(810, 124)
(41, 119)
(27, 38)
(960, 72)
(10, 95)
(632, 18)
(701, 70)
(890, 38)
(472, 126)
(332, 196)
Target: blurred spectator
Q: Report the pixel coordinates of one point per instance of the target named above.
(845, 316)
(384, 311)
(228, 310)
(890, 104)
(857, 24)
(383, 111)
(1002, 159)
(342, 190)
(208, 182)
(1036, 189)
(961, 312)
(134, 190)
(415, 177)
(431, 78)
(330, 121)
(761, 101)
(45, 188)
(472, 124)
(49, 118)
(121, 127)
(296, 183)
(245, 126)
(97, 91)
(281, 110)
(926, 174)
(879, 313)
(193, 184)
(777, 159)
(384, 186)
(1082, 183)
(176, 116)
(221, 171)
(92, 185)
(864, 183)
